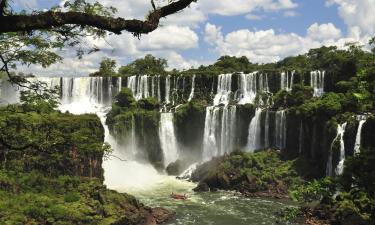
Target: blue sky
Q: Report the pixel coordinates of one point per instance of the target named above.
(262, 30)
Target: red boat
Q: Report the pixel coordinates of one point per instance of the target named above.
(178, 196)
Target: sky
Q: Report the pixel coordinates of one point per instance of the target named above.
(262, 30)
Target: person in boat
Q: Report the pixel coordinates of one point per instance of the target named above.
(179, 196)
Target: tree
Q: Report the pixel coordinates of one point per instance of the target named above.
(106, 69)
(31, 38)
(84, 14)
(148, 65)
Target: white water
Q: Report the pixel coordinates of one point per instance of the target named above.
(250, 85)
(254, 131)
(266, 130)
(219, 131)
(228, 123)
(167, 89)
(253, 140)
(340, 166)
(191, 96)
(168, 139)
(317, 82)
(280, 132)
(287, 80)
(224, 91)
(357, 145)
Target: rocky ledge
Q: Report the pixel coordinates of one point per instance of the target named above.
(260, 174)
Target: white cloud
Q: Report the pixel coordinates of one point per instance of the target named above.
(169, 38)
(290, 13)
(323, 32)
(357, 13)
(237, 7)
(212, 34)
(264, 46)
(253, 17)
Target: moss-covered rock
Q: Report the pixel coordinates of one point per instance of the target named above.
(252, 174)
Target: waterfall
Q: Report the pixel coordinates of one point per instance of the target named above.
(168, 139)
(357, 145)
(224, 89)
(317, 82)
(210, 129)
(228, 121)
(253, 140)
(250, 85)
(167, 89)
(340, 166)
(219, 131)
(140, 86)
(266, 130)
(280, 131)
(287, 80)
(192, 89)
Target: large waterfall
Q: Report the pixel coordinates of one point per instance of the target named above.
(280, 132)
(254, 131)
(224, 87)
(357, 144)
(317, 82)
(260, 136)
(250, 85)
(192, 89)
(168, 139)
(219, 131)
(340, 166)
(287, 80)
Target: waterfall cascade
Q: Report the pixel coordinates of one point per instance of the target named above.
(191, 96)
(168, 138)
(254, 131)
(357, 145)
(224, 89)
(340, 166)
(287, 80)
(250, 85)
(280, 132)
(317, 82)
(219, 131)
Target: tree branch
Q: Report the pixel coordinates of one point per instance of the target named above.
(3, 4)
(49, 20)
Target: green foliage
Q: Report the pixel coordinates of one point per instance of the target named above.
(41, 102)
(106, 69)
(61, 200)
(149, 103)
(72, 197)
(313, 190)
(52, 143)
(149, 65)
(260, 171)
(125, 98)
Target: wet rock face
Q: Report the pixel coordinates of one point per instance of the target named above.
(177, 168)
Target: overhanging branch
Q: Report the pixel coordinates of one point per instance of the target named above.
(49, 20)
